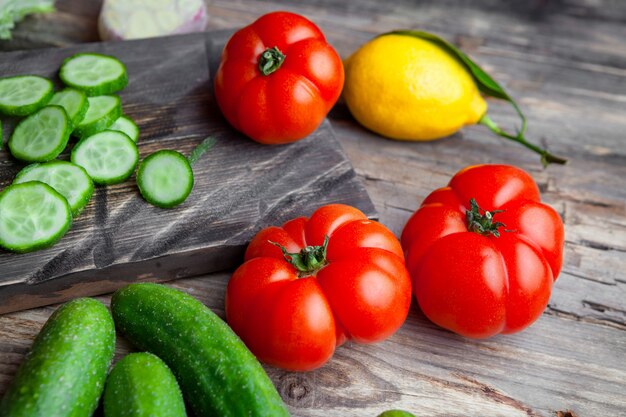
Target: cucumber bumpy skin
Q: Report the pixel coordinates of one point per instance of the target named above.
(64, 374)
(216, 372)
(142, 385)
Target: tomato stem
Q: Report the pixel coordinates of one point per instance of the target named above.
(546, 157)
(310, 259)
(482, 223)
(270, 60)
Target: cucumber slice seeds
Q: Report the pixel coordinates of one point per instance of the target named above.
(74, 102)
(165, 178)
(68, 179)
(42, 136)
(102, 112)
(109, 157)
(125, 125)
(32, 216)
(95, 74)
(24, 94)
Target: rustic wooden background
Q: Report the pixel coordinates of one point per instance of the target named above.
(238, 190)
(565, 61)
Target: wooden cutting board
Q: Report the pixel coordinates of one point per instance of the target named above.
(240, 186)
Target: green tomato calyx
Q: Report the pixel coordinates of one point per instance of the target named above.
(481, 221)
(309, 260)
(270, 60)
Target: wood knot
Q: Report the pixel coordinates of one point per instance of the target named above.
(295, 389)
(567, 413)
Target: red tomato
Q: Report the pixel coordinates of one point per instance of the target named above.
(278, 78)
(486, 268)
(341, 276)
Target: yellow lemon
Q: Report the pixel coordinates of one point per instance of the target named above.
(407, 88)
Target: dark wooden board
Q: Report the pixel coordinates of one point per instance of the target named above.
(240, 185)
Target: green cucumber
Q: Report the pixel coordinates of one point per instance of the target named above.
(95, 74)
(68, 179)
(396, 413)
(24, 94)
(64, 373)
(74, 102)
(42, 136)
(109, 157)
(216, 372)
(141, 385)
(101, 113)
(165, 178)
(32, 216)
(125, 125)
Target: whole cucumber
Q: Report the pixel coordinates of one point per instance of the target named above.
(64, 373)
(396, 413)
(141, 385)
(216, 372)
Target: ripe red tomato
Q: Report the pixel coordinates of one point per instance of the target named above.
(483, 252)
(339, 276)
(278, 78)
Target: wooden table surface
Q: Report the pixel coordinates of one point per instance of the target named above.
(565, 62)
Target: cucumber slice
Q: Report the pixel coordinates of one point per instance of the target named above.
(165, 178)
(24, 94)
(95, 74)
(125, 125)
(32, 216)
(74, 102)
(102, 112)
(69, 180)
(42, 136)
(109, 157)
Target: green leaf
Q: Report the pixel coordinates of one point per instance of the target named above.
(484, 82)
(488, 86)
(201, 149)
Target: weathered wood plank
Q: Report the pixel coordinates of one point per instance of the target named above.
(556, 364)
(565, 63)
(239, 186)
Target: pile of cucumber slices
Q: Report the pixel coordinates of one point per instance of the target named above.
(38, 208)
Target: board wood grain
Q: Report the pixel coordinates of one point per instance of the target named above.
(565, 63)
(240, 186)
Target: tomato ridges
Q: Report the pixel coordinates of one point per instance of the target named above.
(294, 93)
(362, 292)
(451, 252)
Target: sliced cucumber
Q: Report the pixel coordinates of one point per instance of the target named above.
(109, 157)
(42, 136)
(74, 102)
(95, 74)
(32, 216)
(165, 178)
(24, 94)
(125, 125)
(102, 112)
(68, 179)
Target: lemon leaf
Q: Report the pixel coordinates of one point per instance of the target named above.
(488, 86)
(485, 83)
